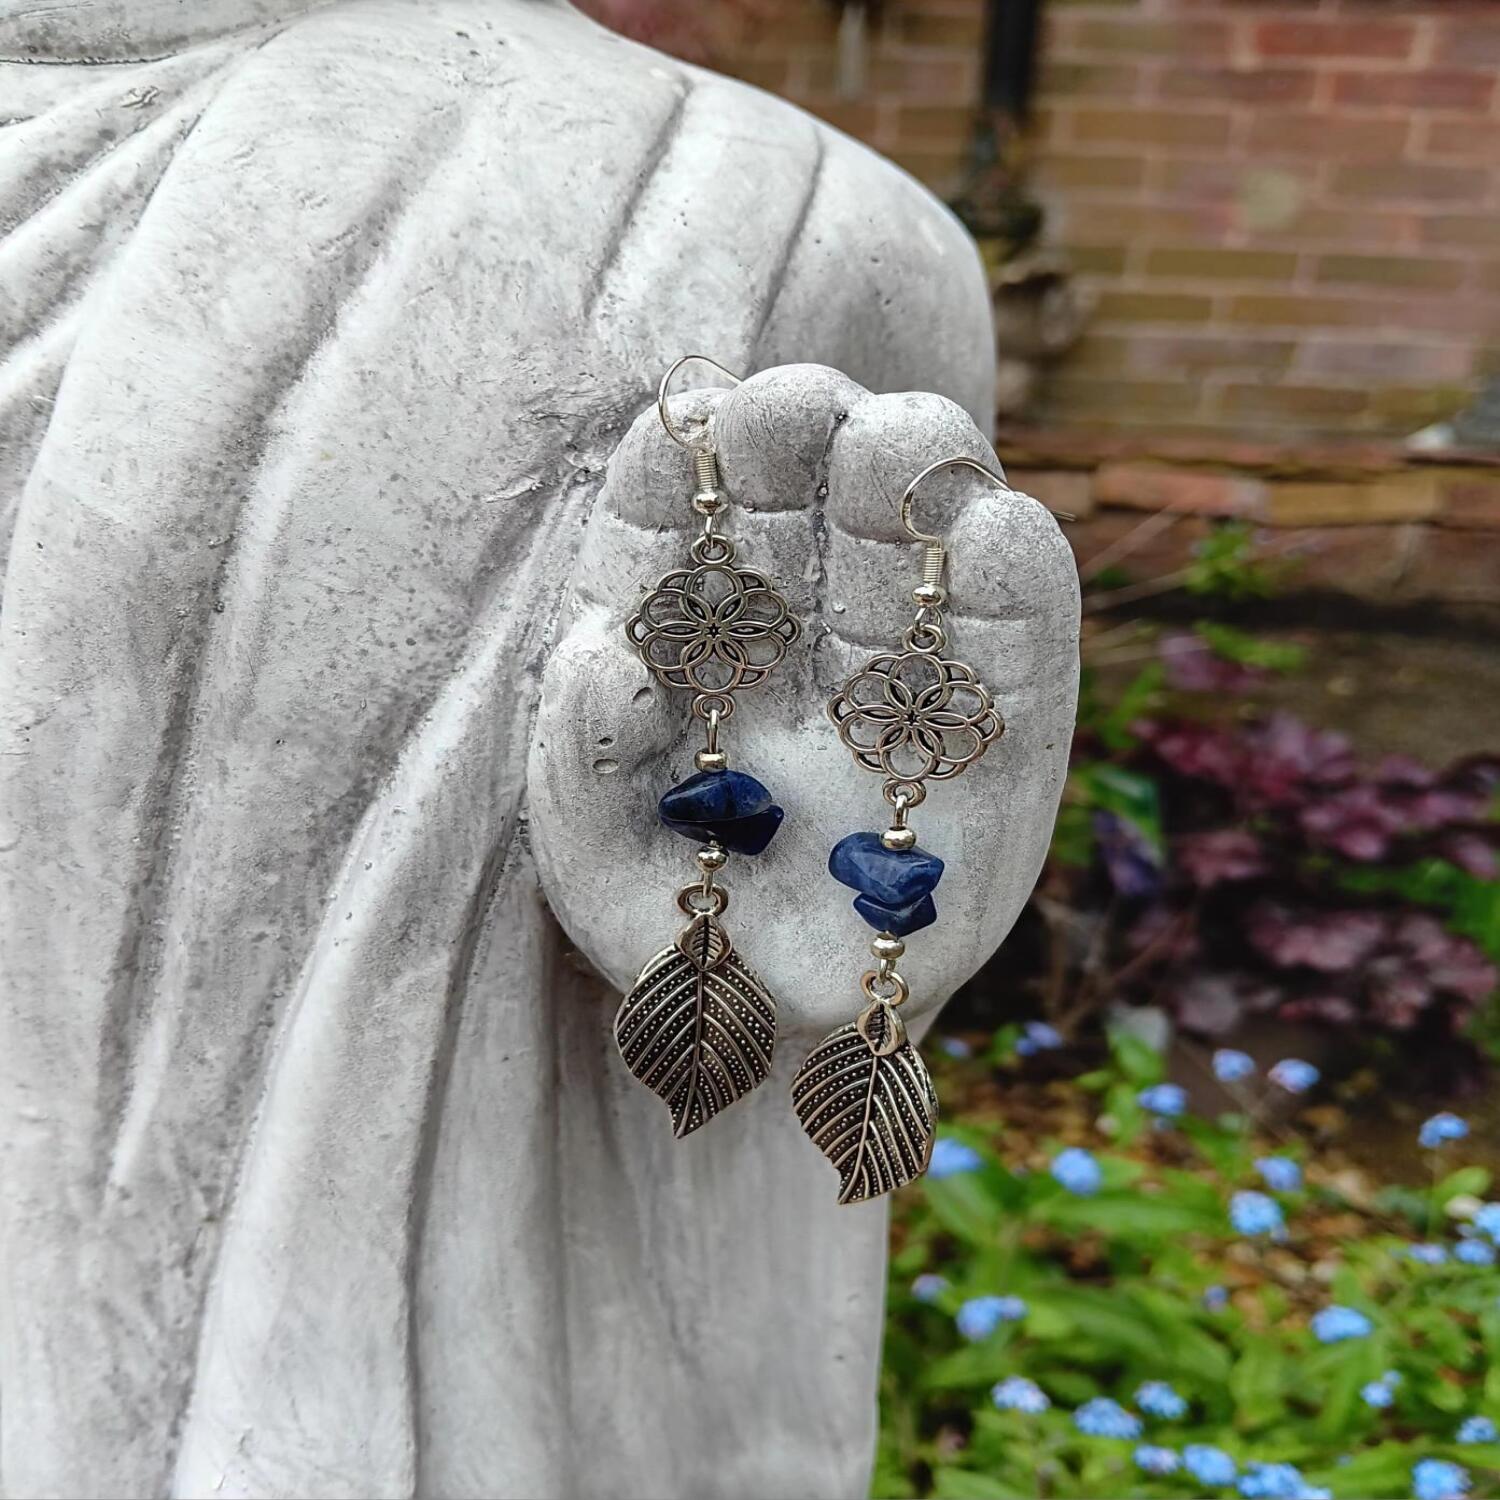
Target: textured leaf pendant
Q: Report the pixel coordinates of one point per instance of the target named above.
(698, 1029)
(866, 1101)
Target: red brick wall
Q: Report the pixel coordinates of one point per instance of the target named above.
(1290, 212)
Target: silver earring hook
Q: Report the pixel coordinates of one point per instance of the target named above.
(935, 555)
(680, 438)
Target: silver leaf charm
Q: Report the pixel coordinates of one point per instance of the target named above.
(698, 1029)
(866, 1101)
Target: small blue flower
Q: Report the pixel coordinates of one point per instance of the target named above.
(950, 1157)
(1020, 1394)
(1209, 1466)
(1441, 1129)
(979, 1317)
(1104, 1418)
(1216, 1298)
(1476, 1430)
(1038, 1036)
(956, 1046)
(1231, 1066)
(1314, 1492)
(1272, 1482)
(1279, 1173)
(1427, 1255)
(1438, 1479)
(1156, 1460)
(1165, 1099)
(1157, 1399)
(1487, 1220)
(1474, 1252)
(1332, 1325)
(1377, 1394)
(1077, 1170)
(1254, 1213)
(1294, 1075)
(929, 1287)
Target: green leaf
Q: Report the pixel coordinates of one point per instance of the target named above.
(963, 1484)
(1249, 650)
(1135, 702)
(1341, 1400)
(1473, 1182)
(969, 1204)
(1138, 1060)
(1135, 1215)
(1257, 1382)
(974, 1365)
(1127, 794)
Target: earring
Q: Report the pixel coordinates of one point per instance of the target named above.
(864, 1095)
(698, 1028)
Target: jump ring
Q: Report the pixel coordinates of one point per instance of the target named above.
(898, 990)
(690, 895)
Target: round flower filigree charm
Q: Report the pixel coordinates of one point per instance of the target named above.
(713, 628)
(913, 716)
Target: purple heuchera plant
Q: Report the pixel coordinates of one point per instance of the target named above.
(1257, 907)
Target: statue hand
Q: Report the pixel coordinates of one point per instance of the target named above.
(814, 467)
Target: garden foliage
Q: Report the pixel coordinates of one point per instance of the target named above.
(1189, 1312)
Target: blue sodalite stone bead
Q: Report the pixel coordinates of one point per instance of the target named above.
(899, 921)
(727, 806)
(892, 877)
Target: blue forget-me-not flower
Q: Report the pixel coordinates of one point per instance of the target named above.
(1157, 1399)
(1294, 1075)
(1254, 1213)
(1441, 1129)
(1208, 1465)
(1438, 1479)
(1279, 1173)
(950, 1157)
(1155, 1459)
(1272, 1482)
(1038, 1036)
(1231, 1066)
(1077, 1170)
(1105, 1418)
(1332, 1325)
(979, 1317)
(1017, 1393)
(1165, 1099)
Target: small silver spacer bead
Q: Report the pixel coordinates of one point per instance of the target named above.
(929, 595)
(712, 857)
(884, 946)
(710, 760)
(899, 838)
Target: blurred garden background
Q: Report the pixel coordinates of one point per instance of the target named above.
(1213, 1211)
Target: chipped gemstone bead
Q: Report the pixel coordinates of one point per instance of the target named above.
(899, 921)
(727, 807)
(896, 878)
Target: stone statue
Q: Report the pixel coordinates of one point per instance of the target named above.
(327, 785)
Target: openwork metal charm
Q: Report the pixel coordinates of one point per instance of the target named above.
(699, 1028)
(912, 716)
(866, 1101)
(713, 628)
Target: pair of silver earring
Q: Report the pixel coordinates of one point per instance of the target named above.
(698, 1028)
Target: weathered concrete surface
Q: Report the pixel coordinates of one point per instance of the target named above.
(319, 1175)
